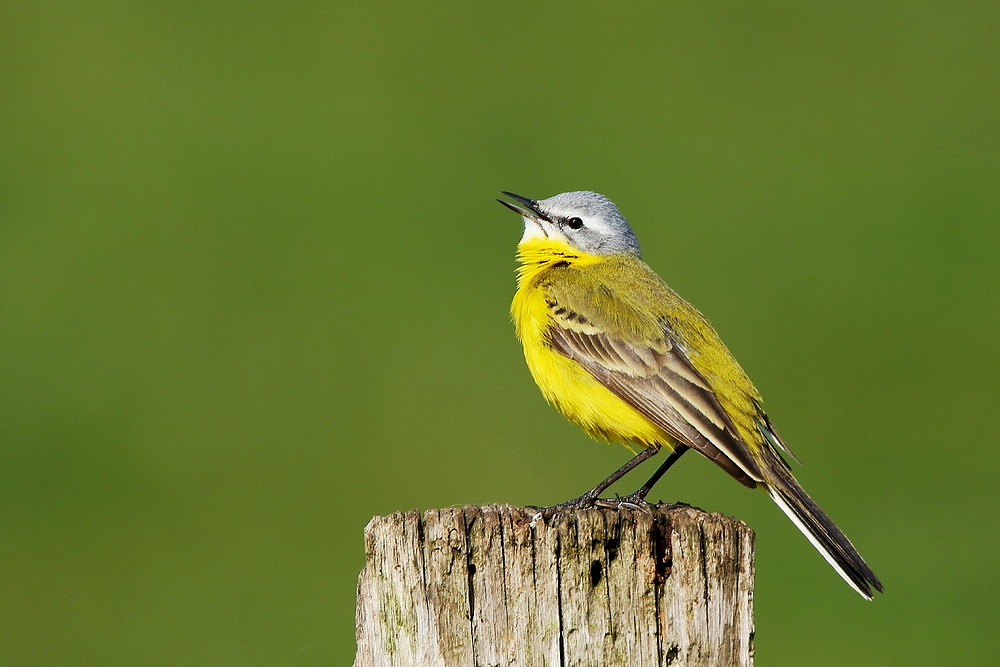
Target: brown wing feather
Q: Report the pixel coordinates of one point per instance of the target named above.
(666, 389)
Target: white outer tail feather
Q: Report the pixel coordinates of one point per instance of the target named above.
(790, 513)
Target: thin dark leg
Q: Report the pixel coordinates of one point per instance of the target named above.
(588, 499)
(621, 472)
(664, 467)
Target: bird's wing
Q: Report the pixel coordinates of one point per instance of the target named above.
(655, 377)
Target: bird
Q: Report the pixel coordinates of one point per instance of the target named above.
(622, 355)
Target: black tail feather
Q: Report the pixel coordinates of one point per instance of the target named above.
(821, 530)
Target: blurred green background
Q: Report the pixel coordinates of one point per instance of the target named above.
(254, 290)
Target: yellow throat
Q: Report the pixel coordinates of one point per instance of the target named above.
(564, 383)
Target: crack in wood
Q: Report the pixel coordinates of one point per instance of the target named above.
(501, 586)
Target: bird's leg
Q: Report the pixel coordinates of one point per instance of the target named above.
(640, 496)
(591, 498)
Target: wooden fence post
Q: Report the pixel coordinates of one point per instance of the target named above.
(500, 586)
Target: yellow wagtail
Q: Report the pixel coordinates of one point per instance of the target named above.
(623, 356)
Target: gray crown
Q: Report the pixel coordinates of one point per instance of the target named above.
(605, 229)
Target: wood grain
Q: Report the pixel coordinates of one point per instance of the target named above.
(500, 586)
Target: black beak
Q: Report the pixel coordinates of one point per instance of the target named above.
(529, 210)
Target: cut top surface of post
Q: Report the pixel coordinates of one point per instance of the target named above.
(502, 586)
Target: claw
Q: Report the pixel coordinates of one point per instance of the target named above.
(586, 502)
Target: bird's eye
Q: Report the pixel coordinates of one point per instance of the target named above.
(574, 223)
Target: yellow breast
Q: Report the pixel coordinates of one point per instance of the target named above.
(564, 383)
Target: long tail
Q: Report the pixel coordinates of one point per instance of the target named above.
(821, 530)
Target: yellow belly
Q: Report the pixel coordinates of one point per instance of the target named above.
(571, 389)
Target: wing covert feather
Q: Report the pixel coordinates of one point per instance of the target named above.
(657, 379)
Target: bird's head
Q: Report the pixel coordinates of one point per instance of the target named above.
(585, 220)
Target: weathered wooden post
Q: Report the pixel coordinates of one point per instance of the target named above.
(501, 586)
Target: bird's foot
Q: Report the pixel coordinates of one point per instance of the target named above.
(634, 501)
(589, 501)
(585, 502)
